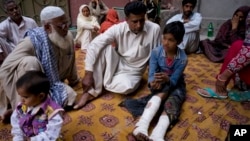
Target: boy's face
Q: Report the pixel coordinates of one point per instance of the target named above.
(29, 100)
(169, 42)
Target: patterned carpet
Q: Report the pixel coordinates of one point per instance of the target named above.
(202, 119)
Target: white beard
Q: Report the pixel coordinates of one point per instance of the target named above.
(62, 42)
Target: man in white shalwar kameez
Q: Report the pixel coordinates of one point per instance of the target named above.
(13, 28)
(192, 21)
(48, 48)
(120, 69)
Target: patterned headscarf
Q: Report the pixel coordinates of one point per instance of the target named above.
(46, 56)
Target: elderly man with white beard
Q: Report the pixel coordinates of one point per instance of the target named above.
(48, 48)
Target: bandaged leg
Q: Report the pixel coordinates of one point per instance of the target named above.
(148, 114)
(160, 129)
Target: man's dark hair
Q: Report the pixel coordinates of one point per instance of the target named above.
(135, 7)
(193, 2)
(6, 2)
(34, 82)
(175, 28)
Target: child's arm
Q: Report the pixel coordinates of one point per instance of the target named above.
(53, 130)
(153, 68)
(178, 72)
(16, 131)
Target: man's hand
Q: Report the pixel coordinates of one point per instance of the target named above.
(87, 81)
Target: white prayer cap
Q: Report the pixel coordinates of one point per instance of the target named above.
(51, 12)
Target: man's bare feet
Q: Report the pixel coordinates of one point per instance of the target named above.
(6, 116)
(85, 98)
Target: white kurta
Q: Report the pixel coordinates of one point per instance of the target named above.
(192, 32)
(11, 34)
(120, 69)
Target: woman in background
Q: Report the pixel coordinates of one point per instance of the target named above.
(236, 67)
(232, 30)
(87, 27)
(111, 19)
(99, 9)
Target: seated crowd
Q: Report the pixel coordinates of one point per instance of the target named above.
(115, 50)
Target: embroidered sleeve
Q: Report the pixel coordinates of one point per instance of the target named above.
(53, 130)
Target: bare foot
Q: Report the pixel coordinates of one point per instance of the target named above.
(6, 116)
(86, 97)
(142, 137)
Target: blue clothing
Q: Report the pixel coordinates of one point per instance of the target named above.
(175, 89)
(158, 63)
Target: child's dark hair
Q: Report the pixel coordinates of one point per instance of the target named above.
(193, 2)
(175, 28)
(34, 82)
(135, 7)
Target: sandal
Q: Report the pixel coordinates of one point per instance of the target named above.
(239, 96)
(212, 94)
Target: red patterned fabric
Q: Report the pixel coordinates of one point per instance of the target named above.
(237, 58)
